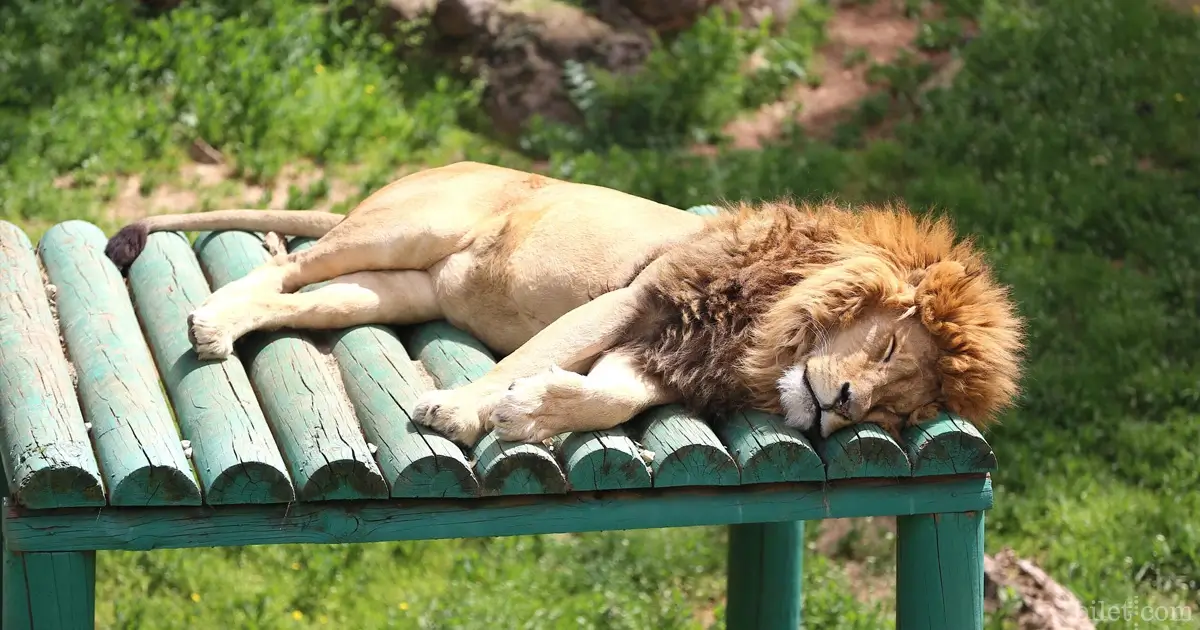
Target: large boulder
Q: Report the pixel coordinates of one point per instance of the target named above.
(521, 46)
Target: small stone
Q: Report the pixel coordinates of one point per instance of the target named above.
(87, 426)
(185, 443)
(204, 153)
(187, 452)
(371, 447)
(647, 456)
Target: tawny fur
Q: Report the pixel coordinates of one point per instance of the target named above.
(650, 303)
(735, 307)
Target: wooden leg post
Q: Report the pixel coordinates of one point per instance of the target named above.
(939, 571)
(48, 590)
(765, 571)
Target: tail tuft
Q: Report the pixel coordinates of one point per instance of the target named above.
(125, 246)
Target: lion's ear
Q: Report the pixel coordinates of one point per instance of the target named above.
(905, 298)
(940, 272)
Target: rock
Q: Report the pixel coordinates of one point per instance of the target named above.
(1044, 603)
(204, 153)
(521, 47)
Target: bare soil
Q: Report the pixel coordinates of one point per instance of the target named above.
(880, 30)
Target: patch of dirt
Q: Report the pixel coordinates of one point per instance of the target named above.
(863, 547)
(1186, 6)
(875, 32)
(706, 615)
(196, 187)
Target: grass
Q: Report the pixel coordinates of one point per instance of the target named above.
(1067, 145)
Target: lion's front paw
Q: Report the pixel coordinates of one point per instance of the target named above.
(209, 334)
(452, 412)
(539, 407)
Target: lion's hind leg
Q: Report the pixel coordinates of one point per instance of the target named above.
(556, 401)
(368, 242)
(365, 297)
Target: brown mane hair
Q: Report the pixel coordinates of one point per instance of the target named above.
(763, 284)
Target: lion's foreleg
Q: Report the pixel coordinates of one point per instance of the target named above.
(555, 401)
(569, 342)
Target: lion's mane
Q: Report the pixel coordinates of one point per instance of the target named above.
(755, 290)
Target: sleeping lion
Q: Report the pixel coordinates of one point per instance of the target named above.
(605, 304)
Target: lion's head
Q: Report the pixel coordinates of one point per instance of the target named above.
(887, 320)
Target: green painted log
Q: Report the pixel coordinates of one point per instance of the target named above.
(863, 450)
(134, 433)
(455, 358)
(686, 451)
(765, 579)
(301, 393)
(706, 210)
(383, 385)
(48, 458)
(947, 445)
(939, 571)
(427, 519)
(768, 451)
(602, 460)
(235, 455)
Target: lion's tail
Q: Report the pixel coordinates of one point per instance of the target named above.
(125, 246)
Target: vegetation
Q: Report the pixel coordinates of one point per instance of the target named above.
(1067, 144)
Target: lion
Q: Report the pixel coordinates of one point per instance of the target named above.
(603, 304)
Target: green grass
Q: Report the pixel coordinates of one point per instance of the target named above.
(1068, 145)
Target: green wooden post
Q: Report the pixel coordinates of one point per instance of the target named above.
(939, 571)
(766, 559)
(53, 590)
(766, 563)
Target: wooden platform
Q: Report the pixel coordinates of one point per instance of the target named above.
(300, 416)
(114, 435)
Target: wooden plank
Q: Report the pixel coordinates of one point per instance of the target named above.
(455, 358)
(602, 460)
(767, 451)
(235, 455)
(300, 391)
(863, 450)
(426, 519)
(766, 561)
(939, 571)
(947, 445)
(135, 437)
(686, 451)
(383, 385)
(47, 455)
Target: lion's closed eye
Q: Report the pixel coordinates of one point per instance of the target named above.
(891, 349)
